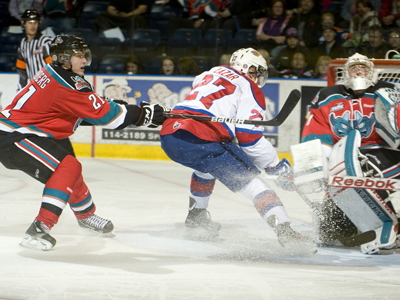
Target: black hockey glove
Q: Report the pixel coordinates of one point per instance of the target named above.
(152, 115)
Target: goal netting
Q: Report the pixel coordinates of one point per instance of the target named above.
(388, 70)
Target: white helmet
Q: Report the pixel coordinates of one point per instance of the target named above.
(243, 59)
(359, 82)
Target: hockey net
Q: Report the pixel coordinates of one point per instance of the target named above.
(388, 70)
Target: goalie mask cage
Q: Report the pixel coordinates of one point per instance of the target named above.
(387, 69)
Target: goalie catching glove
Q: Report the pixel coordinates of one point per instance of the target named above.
(285, 175)
(152, 115)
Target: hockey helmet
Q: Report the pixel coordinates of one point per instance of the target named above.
(64, 46)
(30, 14)
(359, 73)
(243, 59)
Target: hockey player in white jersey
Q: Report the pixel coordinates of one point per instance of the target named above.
(208, 148)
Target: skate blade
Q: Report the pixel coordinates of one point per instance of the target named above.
(34, 243)
(92, 232)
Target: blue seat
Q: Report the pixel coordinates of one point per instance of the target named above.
(243, 38)
(7, 62)
(184, 42)
(91, 10)
(101, 46)
(159, 17)
(203, 62)
(86, 33)
(144, 43)
(215, 42)
(112, 64)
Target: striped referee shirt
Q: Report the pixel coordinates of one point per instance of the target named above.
(32, 56)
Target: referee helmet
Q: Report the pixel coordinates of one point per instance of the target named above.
(30, 14)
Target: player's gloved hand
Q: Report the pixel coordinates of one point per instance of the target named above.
(152, 115)
(285, 175)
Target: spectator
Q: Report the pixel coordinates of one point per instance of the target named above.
(298, 68)
(321, 67)
(188, 66)
(377, 46)
(307, 22)
(134, 66)
(199, 16)
(393, 19)
(168, 66)
(272, 71)
(284, 57)
(394, 39)
(17, 7)
(361, 22)
(56, 16)
(128, 15)
(270, 29)
(329, 18)
(330, 47)
(236, 15)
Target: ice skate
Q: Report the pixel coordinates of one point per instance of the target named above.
(200, 224)
(289, 238)
(37, 237)
(98, 225)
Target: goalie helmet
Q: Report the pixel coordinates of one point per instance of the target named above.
(359, 73)
(30, 14)
(243, 59)
(64, 46)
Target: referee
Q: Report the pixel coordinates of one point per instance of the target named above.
(33, 55)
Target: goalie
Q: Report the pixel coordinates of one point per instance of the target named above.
(358, 127)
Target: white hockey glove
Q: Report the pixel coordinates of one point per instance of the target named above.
(152, 115)
(285, 175)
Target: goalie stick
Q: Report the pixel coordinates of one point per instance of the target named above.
(287, 108)
(348, 241)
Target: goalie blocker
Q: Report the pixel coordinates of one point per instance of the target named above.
(363, 206)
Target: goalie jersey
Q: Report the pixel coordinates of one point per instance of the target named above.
(53, 104)
(334, 112)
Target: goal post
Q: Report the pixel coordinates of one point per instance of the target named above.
(387, 69)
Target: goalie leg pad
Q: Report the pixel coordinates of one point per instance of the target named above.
(365, 208)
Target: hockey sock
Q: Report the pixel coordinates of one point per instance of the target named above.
(201, 189)
(81, 201)
(265, 200)
(58, 190)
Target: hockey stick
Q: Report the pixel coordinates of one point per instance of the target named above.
(287, 108)
(351, 241)
(348, 241)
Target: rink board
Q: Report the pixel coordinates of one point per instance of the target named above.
(144, 143)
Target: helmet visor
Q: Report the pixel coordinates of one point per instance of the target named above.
(262, 76)
(84, 53)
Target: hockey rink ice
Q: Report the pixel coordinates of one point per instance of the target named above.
(151, 257)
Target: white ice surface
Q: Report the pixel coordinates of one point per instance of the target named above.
(150, 257)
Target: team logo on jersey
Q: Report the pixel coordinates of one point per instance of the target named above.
(337, 107)
(59, 40)
(348, 121)
(38, 50)
(176, 125)
(80, 83)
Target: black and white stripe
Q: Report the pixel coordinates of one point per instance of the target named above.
(33, 53)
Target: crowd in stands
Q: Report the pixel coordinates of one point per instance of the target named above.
(176, 37)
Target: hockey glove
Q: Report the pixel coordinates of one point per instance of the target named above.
(285, 175)
(152, 115)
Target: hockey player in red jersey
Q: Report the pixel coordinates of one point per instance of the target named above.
(208, 148)
(50, 107)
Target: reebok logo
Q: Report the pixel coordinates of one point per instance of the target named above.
(363, 183)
